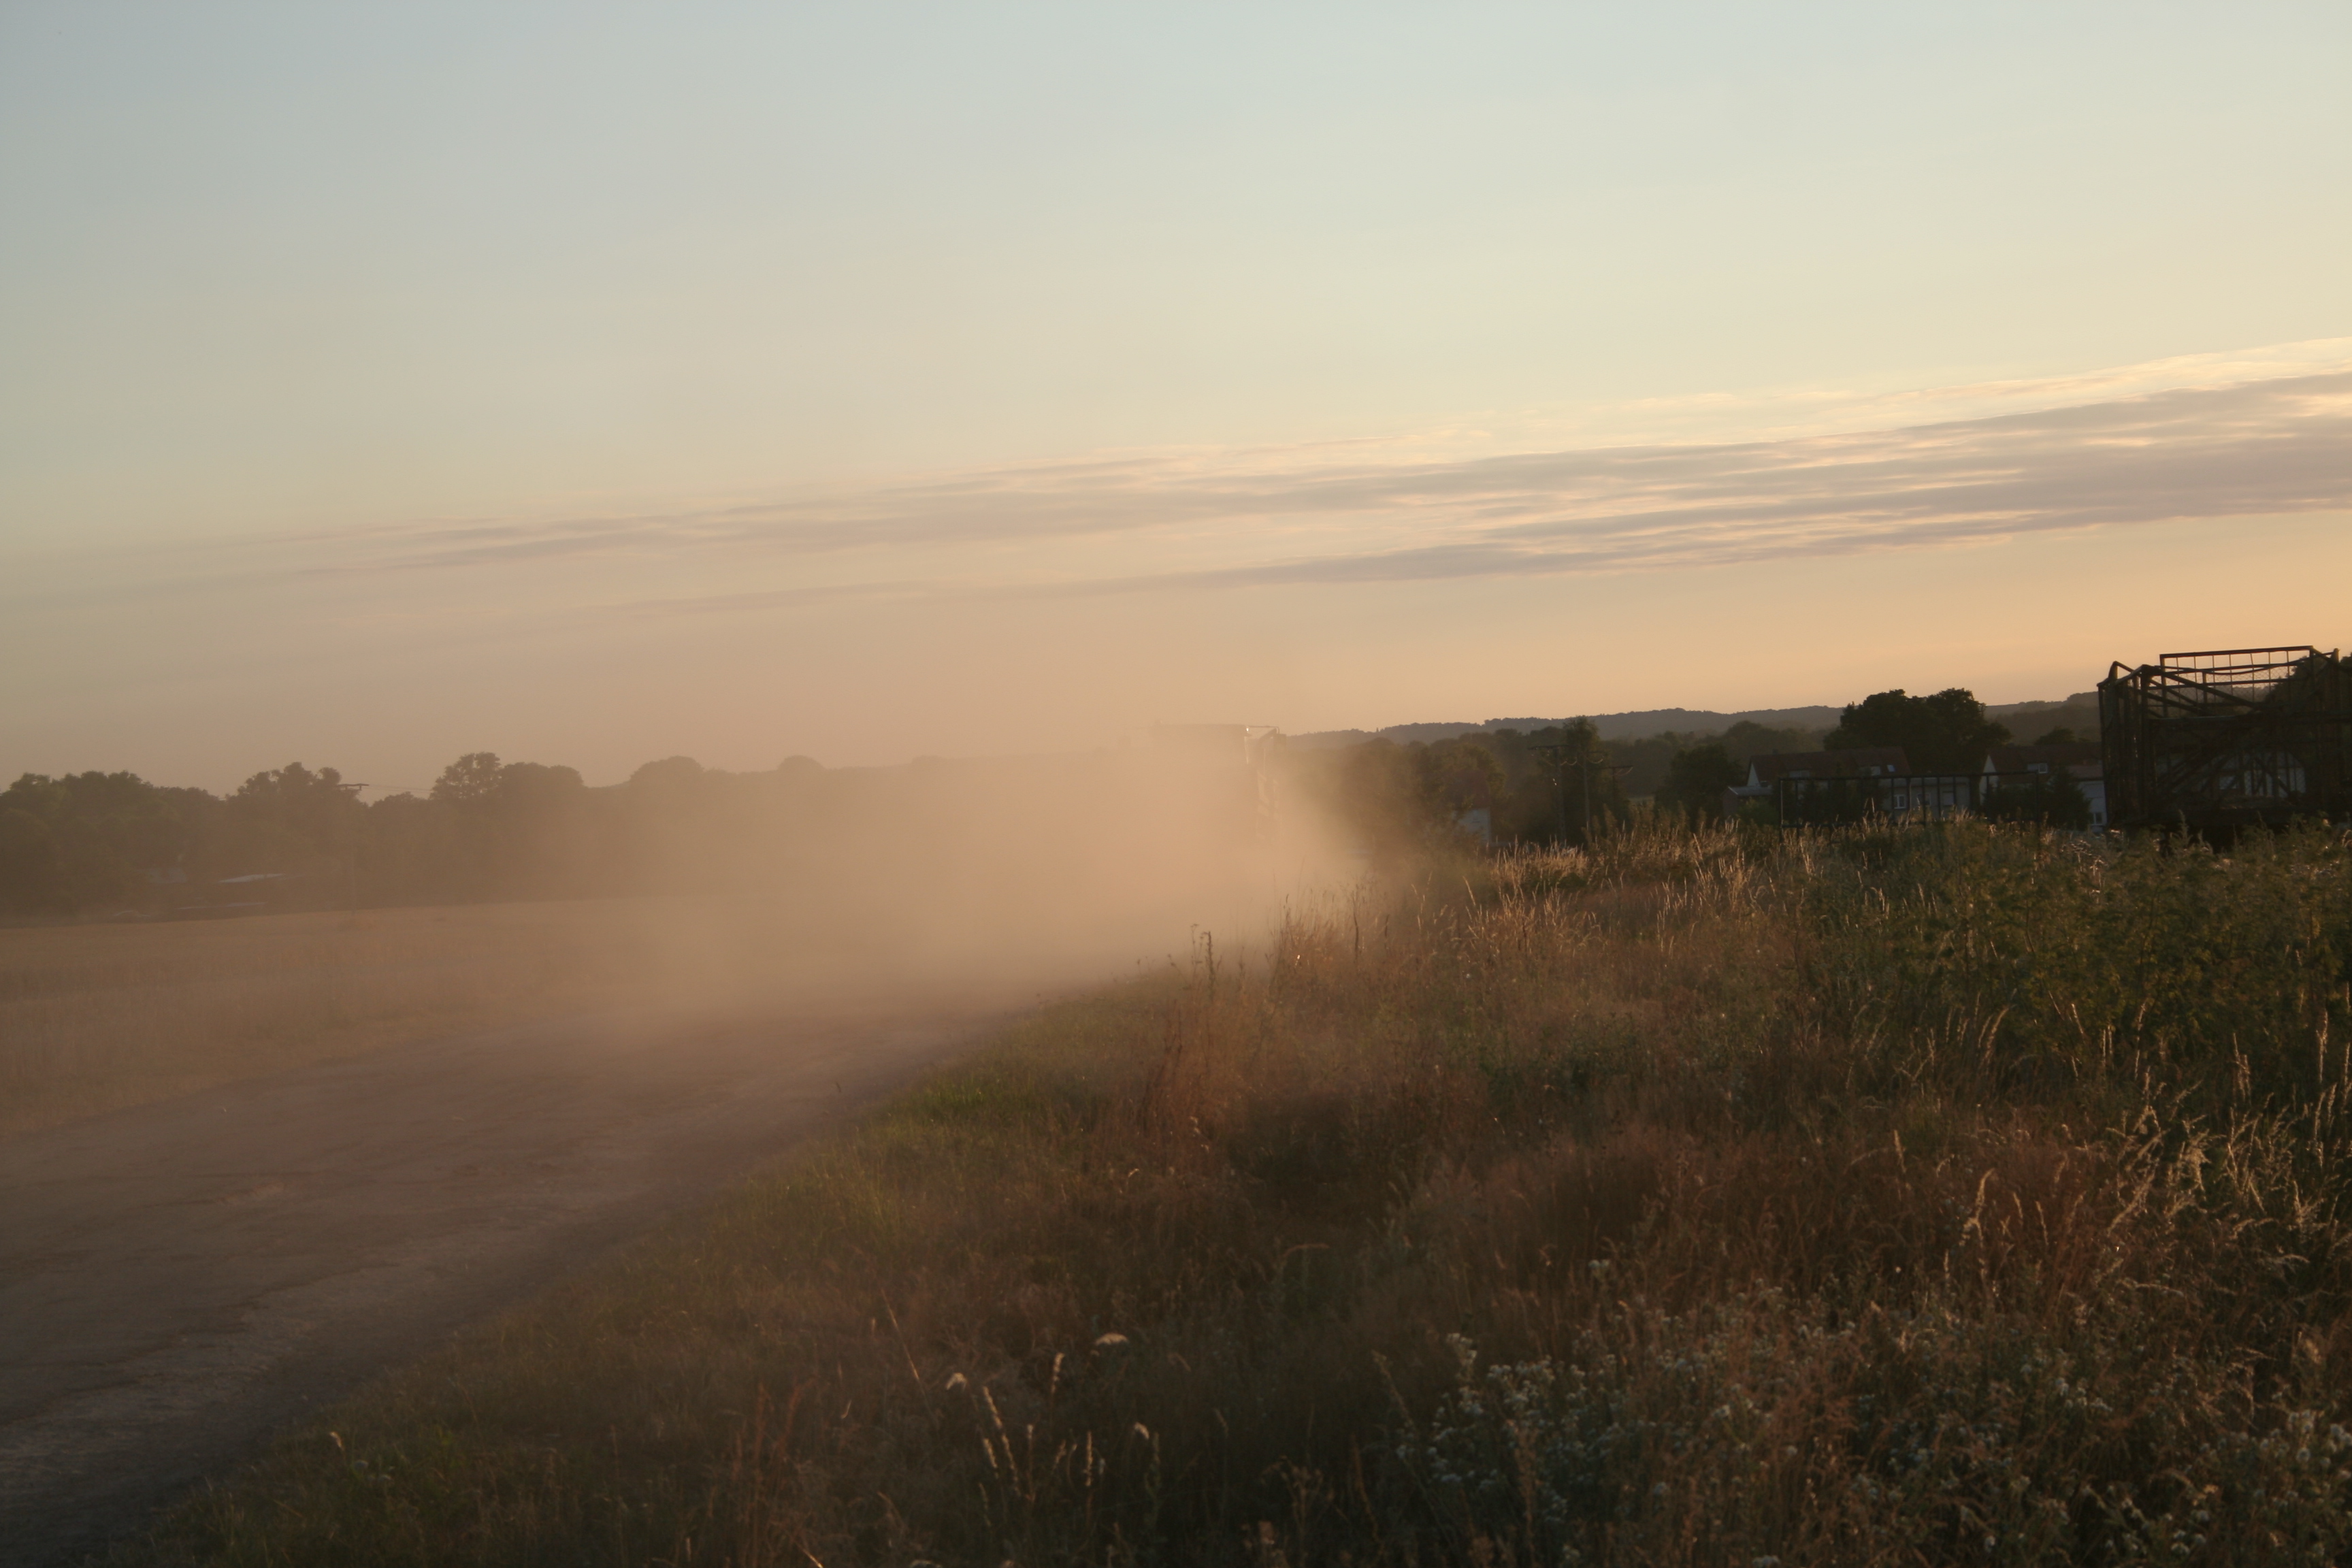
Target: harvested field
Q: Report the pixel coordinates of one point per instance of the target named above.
(93, 1017)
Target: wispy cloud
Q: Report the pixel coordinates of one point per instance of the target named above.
(763, 599)
(1357, 513)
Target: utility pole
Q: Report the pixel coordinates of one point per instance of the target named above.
(1563, 756)
(351, 849)
(1557, 754)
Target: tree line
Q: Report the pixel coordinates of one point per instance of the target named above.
(1560, 784)
(299, 838)
(1564, 783)
(295, 836)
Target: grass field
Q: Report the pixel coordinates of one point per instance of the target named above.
(97, 1017)
(1961, 1195)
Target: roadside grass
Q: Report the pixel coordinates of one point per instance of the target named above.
(1965, 1194)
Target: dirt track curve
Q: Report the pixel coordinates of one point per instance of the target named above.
(178, 1282)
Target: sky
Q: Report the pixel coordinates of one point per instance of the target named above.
(590, 383)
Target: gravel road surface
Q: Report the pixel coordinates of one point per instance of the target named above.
(178, 1281)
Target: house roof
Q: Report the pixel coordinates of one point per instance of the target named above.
(1856, 763)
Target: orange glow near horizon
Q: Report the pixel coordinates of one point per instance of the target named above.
(599, 383)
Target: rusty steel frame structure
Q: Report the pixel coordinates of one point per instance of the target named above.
(2228, 739)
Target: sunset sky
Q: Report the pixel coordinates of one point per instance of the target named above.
(590, 383)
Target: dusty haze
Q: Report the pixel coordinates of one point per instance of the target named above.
(994, 874)
(949, 887)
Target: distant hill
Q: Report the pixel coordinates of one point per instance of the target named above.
(1612, 726)
(2028, 720)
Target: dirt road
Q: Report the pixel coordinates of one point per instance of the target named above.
(179, 1280)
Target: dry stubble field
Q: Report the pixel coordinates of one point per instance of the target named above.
(95, 1017)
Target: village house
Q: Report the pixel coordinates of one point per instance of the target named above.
(1765, 772)
(2082, 760)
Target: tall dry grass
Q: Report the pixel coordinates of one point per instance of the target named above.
(1959, 1195)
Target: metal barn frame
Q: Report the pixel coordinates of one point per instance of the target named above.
(2228, 739)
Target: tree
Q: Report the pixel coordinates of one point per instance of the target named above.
(2054, 799)
(295, 793)
(1695, 780)
(670, 779)
(1590, 794)
(536, 786)
(91, 839)
(1748, 739)
(471, 778)
(2061, 736)
(1373, 790)
(1552, 779)
(1458, 775)
(295, 821)
(31, 868)
(1947, 733)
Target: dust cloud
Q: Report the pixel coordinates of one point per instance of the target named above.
(982, 882)
(339, 1133)
(515, 894)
